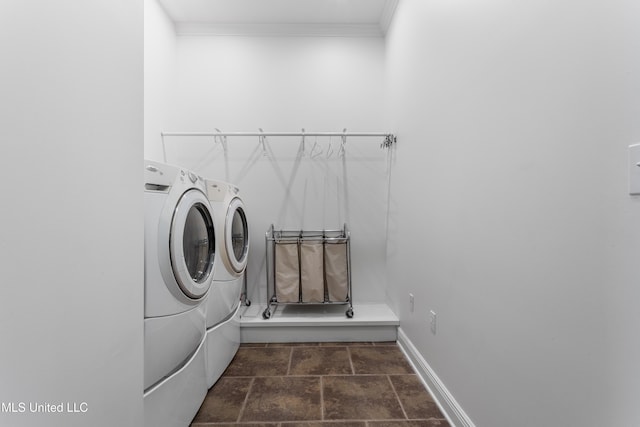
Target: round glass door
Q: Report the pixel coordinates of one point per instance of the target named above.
(237, 235)
(193, 244)
(197, 243)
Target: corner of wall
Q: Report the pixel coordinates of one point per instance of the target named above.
(160, 65)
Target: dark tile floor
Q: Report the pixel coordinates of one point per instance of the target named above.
(319, 385)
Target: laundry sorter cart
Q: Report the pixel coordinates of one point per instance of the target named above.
(308, 268)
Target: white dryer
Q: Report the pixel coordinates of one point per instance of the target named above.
(179, 267)
(223, 301)
(232, 252)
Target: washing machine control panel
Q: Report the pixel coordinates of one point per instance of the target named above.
(215, 191)
(192, 176)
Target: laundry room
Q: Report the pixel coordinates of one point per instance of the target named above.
(293, 84)
(475, 163)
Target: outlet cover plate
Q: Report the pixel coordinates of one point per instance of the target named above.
(433, 317)
(634, 169)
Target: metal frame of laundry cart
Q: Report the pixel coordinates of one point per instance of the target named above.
(308, 267)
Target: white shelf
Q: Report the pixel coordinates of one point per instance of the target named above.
(300, 323)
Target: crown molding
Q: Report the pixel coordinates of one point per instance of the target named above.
(280, 30)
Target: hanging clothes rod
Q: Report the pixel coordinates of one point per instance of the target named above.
(349, 134)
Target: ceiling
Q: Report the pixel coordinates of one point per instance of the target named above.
(295, 17)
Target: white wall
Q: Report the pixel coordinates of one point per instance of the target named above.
(285, 84)
(159, 77)
(72, 221)
(510, 204)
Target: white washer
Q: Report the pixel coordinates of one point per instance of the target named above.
(223, 301)
(179, 268)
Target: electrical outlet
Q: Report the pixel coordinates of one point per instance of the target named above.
(433, 321)
(411, 303)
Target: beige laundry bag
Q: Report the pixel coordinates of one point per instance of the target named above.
(312, 272)
(287, 269)
(336, 271)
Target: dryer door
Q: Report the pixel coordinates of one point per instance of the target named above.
(237, 236)
(192, 244)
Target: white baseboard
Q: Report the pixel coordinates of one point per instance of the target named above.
(445, 400)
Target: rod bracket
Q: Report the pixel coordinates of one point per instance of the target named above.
(389, 140)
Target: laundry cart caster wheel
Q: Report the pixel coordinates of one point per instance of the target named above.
(247, 302)
(266, 314)
(350, 313)
(274, 299)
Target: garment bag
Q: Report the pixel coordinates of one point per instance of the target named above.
(312, 272)
(287, 280)
(336, 271)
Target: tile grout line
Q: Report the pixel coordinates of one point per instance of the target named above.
(290, 361)
(321, 398)
(353, 371)
(397, 396)
(312, 375)
(365, 422)
(246, 399)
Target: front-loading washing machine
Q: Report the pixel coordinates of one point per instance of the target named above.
(223, 301)
(180, 250)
